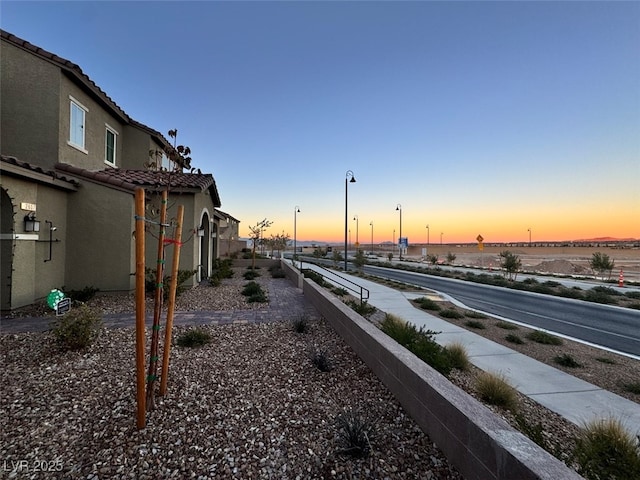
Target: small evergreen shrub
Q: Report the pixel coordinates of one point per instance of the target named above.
(215, 281)
(250, 274)
(84, 295)
(320, 358)
(567, 360)
(606, 360)
(575, 292)
(362, 308)
(475, 324)
(451, 313)
(300, 324)
(495, 390)
(599, 296)
(606, 450)
(314, 276)
(339, 291)
(354, 432)
(635, 295)
(474, 314)
(427, 304)
(77, 329)
(420, 342)
(254, 293)
(513, 338)
(506, 326)
(544, 338)
(277, 272)
(194, 338)
(633, 387)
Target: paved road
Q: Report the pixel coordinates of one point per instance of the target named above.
(612, 327)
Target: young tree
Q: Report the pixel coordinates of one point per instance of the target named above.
(451, 257)
(278, 242)
(601, 263)
(432, 259)
(255, 235)
(359, 260)
(336, 257)
(511, 264)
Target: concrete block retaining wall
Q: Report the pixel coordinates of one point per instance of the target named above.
(478, 443)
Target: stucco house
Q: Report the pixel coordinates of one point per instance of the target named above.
(70, 162)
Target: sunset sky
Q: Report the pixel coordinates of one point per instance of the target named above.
(487, 118)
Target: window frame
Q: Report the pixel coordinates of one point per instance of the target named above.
(83, 124)
(110, 130)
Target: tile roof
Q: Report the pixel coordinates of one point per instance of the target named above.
(29, 167)
(150, 180)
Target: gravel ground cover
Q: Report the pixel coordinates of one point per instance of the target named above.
(250, 404)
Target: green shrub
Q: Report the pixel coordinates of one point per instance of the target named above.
(514, 339)
(194, 338)
(222, 268)
(451, 313)
(84, 295)
(475, 324)
(495, 390)
(427, 304)
(314, 276)
(506, 325)
(607, 360)
(633, 387)
(254, 293)
(251, 288)
(320, 358)
(215, 281)
(419, 342)
(77, 329)
(458, 355)
(277, 272)
(544, 338)
(339, 291)
(575, 292)
(250, 274)
(567, 360)
(598, 296)
(474, 314)
(635, 295)
(605, 450)
(362, 308)
(150, 282)
(301, 324)
(354, 432)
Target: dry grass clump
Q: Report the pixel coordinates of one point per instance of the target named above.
(494, 389)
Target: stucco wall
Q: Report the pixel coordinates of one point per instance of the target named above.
(101, 226)
(32, 277)
(29, 89)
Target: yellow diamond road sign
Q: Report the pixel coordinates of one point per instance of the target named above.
(479, 238)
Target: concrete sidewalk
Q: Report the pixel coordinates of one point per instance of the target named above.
(573, 398)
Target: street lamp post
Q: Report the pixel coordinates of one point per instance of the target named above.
(529, 230)
(399, 208)
(355, 217)
(296, 210)
(371, 236)
(348, 176)
(427, 235)
(441, 233)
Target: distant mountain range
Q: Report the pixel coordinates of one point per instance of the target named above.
(606, 239)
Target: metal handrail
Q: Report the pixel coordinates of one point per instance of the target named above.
(362, 291)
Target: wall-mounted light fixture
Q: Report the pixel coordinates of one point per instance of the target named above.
(30, 222)
(201, 232)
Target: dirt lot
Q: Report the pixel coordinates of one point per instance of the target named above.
(553, 260)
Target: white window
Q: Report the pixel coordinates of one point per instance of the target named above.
(166, 163)
(110, 142)
(77, 124)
